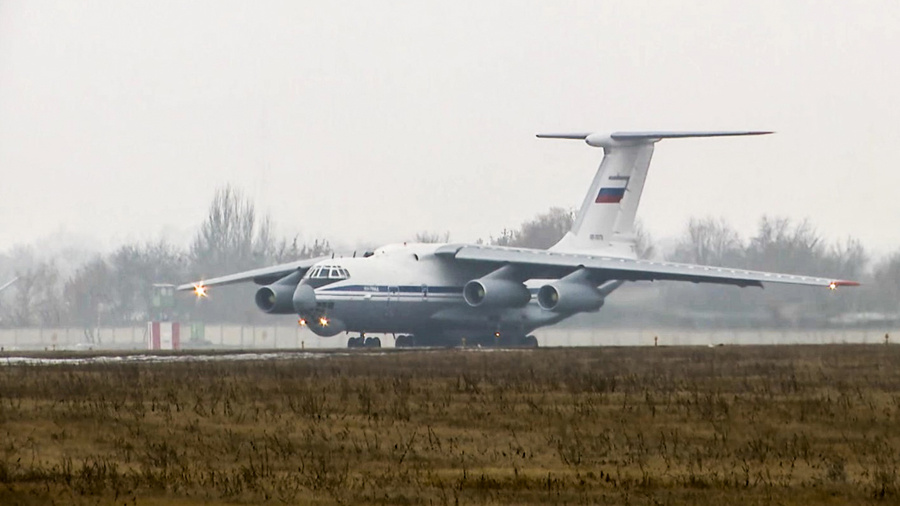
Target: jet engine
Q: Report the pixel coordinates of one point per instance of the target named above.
(495, 292)
(276, 299)
(569, 297)
(281, 296)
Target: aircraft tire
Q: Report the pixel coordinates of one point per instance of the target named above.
(355, 342)
(372, 342)
(530, 342)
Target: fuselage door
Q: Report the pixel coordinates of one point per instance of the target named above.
(393, 296)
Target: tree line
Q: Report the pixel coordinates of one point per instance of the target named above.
(115, 289)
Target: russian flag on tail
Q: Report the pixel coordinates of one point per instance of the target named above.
(610, 195)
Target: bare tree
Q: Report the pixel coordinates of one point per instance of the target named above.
(709, 241)
(134, 269)
(543, 231)
(782, 245)
(88, 295)
(37, 299)
(289, 251)
(886, 281)
(643, 241)
(232, 237)
(779, 245)
(432, 237)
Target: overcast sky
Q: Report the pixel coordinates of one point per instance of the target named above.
(371, 121)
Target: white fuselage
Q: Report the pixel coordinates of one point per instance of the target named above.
(407, 289)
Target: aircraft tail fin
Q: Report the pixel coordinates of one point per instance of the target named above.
(605, 220)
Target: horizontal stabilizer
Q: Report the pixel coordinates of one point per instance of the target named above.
(651, 136)
(620, 136)
(577, 136)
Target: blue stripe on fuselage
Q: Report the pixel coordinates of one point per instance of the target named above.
(380, 290)
(386, 289)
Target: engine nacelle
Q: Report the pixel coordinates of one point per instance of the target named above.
(304, 298)
(495, 292)
(562, 297)
(276, 299)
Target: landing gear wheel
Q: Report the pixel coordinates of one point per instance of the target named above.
(372, 342)
(355, 342)
(530, 342)
(405, 341)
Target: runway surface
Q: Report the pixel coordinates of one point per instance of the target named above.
(156, 358)
(151, 358)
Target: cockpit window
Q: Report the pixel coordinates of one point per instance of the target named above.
(331, 272)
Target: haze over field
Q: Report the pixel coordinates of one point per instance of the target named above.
(372, 121)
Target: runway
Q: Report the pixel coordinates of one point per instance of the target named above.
(168, 358)
(54, 358)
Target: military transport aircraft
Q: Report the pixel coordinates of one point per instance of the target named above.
(440, 294)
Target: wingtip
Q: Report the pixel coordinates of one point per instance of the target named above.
(842, 282)
(573, 136)
(187, 286)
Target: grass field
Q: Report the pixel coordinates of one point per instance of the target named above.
(746, 425)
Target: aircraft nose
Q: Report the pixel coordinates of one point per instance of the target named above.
(304, 298)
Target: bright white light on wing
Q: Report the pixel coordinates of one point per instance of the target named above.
(301, 322)
(832, 285)
(200, 290)
(323, 321)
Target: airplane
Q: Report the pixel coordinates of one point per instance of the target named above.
(475, 294)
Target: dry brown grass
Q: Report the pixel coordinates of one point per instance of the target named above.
(748, 425)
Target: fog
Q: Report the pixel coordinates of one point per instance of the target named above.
(369, 122)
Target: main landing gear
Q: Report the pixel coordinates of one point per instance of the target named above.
(364, 342)
(484, 340)
(405, 341)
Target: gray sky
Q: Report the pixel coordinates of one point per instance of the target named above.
(370, 121)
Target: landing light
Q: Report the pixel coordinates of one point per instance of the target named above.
(200, 290)
(301, 322)
(832, 285)
(323, 321)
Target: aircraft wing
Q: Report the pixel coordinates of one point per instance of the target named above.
(263, 276)
(8, 284)
(541, 264)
